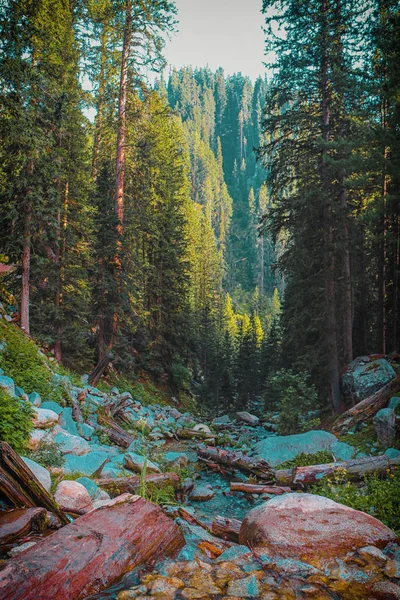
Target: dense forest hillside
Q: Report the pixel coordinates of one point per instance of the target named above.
(151, 237)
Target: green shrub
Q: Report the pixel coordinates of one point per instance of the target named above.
(322, 457)
(180, 376)
(293, 395)
(47, 454)
(15, 421)
(378, 497)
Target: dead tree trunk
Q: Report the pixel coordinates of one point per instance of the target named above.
(237, 461)
(227, 529)
(88, 555)
(252, 488)
(14, 524)
(131, 484)
(353, 470)
(20, 486)
(366, 409)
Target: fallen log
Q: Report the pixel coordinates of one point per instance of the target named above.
(217, 545)
(20, 486)
(194, 434)
(353, 470)
(252, 488)
(131, 484)
(366, 409)
(93, 552)
(14, 524)
(116, 434)
(227, 529)
(239, 461)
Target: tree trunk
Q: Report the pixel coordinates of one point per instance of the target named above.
(20, 486)
(100, 103)
(354, 470)
(366, 409)
(26, 254)
(131, 484)
(237, 461)
(93, 552)
(227, 529)
(252, 488)
(15, 524)
(329, 276)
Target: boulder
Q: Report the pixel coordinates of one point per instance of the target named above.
(311, 528)
(90, 464)
(44, 418)
(67, 422)
(202, 493)
(202, 427)
(385, 426)
(394, 402)
(342, 451)
(176, 460)
(278, 449)
(135, 462)
(73, 497)
(54, 406)
(71, 444)
(366, 375)
(40, 472)
(35, 399)
(7, 385)
(247, 417)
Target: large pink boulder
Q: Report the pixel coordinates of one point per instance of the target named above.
(308, 528)
(73, 497)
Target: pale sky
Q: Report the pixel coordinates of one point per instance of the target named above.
(219, 33)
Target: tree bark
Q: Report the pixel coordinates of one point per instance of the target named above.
(353, 470)
(26, 254)
(90, 554)
(252, 488)
(20, 486)
(227, 529)
(131, 484)
(366, 409)
(237, 461)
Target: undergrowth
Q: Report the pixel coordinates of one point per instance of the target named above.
(15, 421)
(377, 497)
(322, 457)
(47, 454)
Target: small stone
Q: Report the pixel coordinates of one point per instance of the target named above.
(193, 594)
(136, 462)
(202, 427)
(246, 417)
(44, 418)
(204, 583)
(248, 587)
(35, 399)
(202, 493)
(385, 426)
(166, 586)
(373, 553)
(18, 549)
(7, 384)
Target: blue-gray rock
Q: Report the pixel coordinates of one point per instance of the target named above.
(365, 376)
(8, 385)
(279, 449)
(176, 460)
(67, 422)
(342, 451)
(115, 391)
(202, 493)
(247, 417)
(111, 472)
(91, 464)
(35, 399)
(220, 421)
(86, 430)
(71, 444)
(40, 472)
(248, 587)
(385, 426)
(109, 450)
(1, 370)
(118, 460)
(19, 392)
(136, 462)
(54, 406)
(44, 418)
(233, 554)
(392, 453)
(185, 422)
(90, 485)
(394, 402)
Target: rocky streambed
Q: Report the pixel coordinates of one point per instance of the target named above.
(230, 524)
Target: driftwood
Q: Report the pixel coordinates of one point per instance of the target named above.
(20, 486)
(227, 529)
(366, 409)
(194, 434)
(252, 488)
(237, 460)
(14, 524)
(120, 485)
(100, 368)
(90, 554)
(354, 470)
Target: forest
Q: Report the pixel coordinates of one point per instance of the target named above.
(167, 229)
(199, 303)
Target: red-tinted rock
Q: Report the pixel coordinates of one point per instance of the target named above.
(73, 497)
(307, 527)
(16, 523)
(91, 553)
